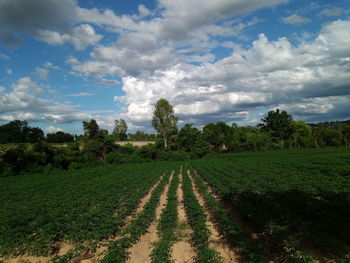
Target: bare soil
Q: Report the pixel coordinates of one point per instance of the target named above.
(101, 248)
(141, 251)
(182, 250)
(217, 242)
(136, 143)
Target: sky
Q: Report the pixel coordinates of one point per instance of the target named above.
(65, 61)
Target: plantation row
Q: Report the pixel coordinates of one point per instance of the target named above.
(38, 212)
(252, 207)
(296, 204)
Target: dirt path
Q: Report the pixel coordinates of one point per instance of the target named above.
(217, 242)
(141, 251)
(100, 249)
(182, 250)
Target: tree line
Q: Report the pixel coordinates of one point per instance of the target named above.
(278, 130)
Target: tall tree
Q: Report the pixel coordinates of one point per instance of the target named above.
(164, 121)
(279, 124)
(120, 129)
(91, 129)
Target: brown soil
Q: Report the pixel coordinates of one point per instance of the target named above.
(101, 248)
(182, 250)
(141, 251)
(64, 248)
(217, 242)
(136, 143)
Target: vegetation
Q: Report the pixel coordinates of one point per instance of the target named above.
(164, 121)
(289, 198)
(197, 220)
(166, 226)
(117, 250)
(38, 212)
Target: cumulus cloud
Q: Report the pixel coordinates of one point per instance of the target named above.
(48, 20)
(106, 81)
(332, 11)
(42, 73)
(71, 60)
(81, 94)
(26, 100)
(308, 80)
(52, 129)
(295, 20)
(4, 57)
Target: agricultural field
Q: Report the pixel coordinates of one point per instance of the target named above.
(279, 206)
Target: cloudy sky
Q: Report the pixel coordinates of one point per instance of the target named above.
(64, 61)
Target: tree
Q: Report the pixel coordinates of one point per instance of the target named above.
(279, 124)
(345, 130)
(302, 134)
(120, 129)
(190, 139)
(91, 129)
(164, 121)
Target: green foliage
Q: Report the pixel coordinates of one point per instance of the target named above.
(164, 121)
(18, 132)
(291, 197)
(120, 129)
(89, 204)
(279, 124)
(197, 220)
(59, 137)
(161, 252)
(117, 250)
(141, 136)
(91, 129)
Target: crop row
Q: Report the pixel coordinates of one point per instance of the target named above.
(232, 231)
(117, 250)
(161, 252)
(289, 203)
(197, 220)
(38, 212)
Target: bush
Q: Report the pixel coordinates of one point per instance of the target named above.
(176, 156)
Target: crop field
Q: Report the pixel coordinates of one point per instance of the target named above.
(280, 206)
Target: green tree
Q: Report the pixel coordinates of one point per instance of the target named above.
(279, 124)
(190, 139)
(302, 134)
(345, 131)
(91, 129)
(164, 121)
(120, 129)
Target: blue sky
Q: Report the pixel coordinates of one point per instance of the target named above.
(62, 62)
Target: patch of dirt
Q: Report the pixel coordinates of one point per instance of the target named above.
(141, 251)
(217, 241)
(101, 248)
(136, 143)
(182, 250)
(64, 248)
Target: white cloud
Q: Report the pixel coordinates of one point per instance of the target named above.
(49, 65)
(81, 37)
(42, 73)
(27, 101)
(52, 129)
(107, 81)
(82, 94)
(9, 71)
(295, 19)
(71, 60)
(304, 79)
(4, 57)
(332, 11)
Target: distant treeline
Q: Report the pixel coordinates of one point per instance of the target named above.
(276, 131)
(18, 131)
